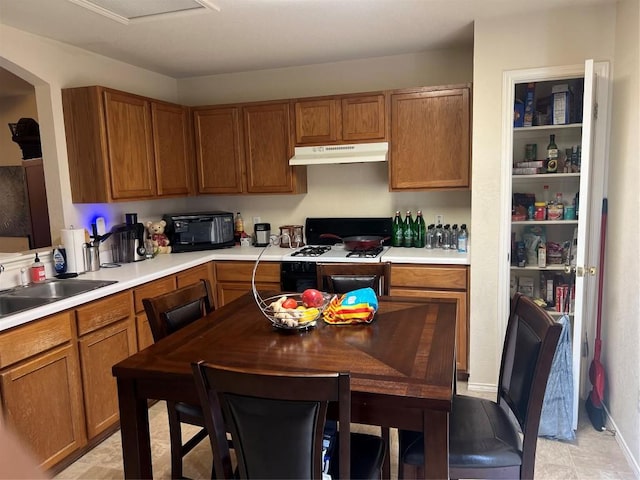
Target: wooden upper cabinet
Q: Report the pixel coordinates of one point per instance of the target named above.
(317, 121)
(219, 154)
(340, 119)
(430, 138)
(268, 148)
(129, 146)
(125, 147)
(363, 118)
(172, 145)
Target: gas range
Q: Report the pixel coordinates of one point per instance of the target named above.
(298, 267)
(335, 253)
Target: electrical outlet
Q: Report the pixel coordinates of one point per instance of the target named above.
(257, 220)
(439, 219)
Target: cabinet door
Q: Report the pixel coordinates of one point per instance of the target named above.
(130, 146)
(219, 150)
(143, 331)
(317, 121)
(233, 279)
(430, 139)
(172, 149)
(363, 118)
(42, 402)
(268, 148)
(99, 352)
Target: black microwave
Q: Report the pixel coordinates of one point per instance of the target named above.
(190, 232)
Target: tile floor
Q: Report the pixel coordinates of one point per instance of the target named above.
(594, 455)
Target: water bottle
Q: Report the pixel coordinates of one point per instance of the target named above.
(398, 234)
(408, 230)
(454, 237)
(437, 243)
(430, 239)
(463, 239)
(446, 237)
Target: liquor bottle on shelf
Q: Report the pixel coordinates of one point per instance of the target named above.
(398, 233)
(238, 228)
(552, 155)
(437, 236)
(420, 231)
(408, 230)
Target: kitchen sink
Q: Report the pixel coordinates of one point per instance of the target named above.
(10, 305)
(57, 288)
(35, 295)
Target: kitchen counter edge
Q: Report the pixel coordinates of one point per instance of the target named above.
(131, 275)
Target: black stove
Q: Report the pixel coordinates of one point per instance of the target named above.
(312, 251)
(365, 252)
(298, 270)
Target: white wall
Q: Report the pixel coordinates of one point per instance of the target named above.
(51, 66)
(621, 307)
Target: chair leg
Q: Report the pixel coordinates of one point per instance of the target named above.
(175, 440)
(386, 464)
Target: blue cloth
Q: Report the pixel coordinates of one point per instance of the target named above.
(556, 417)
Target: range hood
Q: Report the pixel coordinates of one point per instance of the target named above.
(332, 154)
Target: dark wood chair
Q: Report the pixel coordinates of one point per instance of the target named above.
(277, 419)
(484, 436)
(344, 277)
(168, 313)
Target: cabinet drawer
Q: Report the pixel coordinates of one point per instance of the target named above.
(450, 277)
(36, 337)
(103, 312)
(152, 289)
(241, 272)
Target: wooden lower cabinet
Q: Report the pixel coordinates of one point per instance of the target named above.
(41, 391)
(233, 279)
(194, 275)
(111, 338)
(445, 282)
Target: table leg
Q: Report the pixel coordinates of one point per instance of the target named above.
(134, 428)
(436, 444)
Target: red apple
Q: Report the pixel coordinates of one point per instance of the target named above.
(290, 303)
(312, 297)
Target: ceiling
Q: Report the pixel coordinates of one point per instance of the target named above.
(249, 35)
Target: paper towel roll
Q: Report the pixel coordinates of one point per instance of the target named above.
(73, 241)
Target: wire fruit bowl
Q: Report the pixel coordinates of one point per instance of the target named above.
(298, 318)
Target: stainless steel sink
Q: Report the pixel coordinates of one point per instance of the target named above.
(57, 288)
(10, 305)
(35, 295)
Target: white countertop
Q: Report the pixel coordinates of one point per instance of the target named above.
(133, 274)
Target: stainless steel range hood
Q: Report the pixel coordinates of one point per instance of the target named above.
(332, 154)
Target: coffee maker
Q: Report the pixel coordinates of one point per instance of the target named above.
(127, 243)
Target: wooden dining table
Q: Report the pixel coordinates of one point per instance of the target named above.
(402, 368)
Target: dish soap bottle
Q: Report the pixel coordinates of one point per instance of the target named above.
(37, 270)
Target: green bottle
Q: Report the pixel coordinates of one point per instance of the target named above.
(398, 231)
(408, 230)
(420, 231)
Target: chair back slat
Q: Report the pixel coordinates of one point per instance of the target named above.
(169, 312)
(344, 277)
(276, 419)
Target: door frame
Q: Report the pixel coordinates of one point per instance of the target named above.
(598, 183)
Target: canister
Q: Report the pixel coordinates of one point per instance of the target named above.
(569, 212)
(540, 212)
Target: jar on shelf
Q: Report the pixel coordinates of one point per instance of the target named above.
(540, 211)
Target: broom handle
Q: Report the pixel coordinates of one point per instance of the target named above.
(603, 234)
